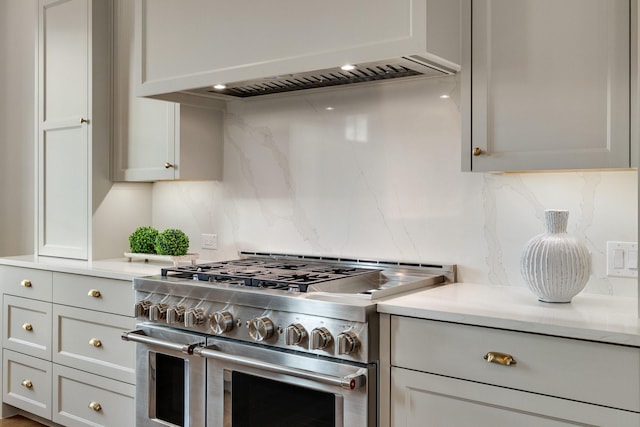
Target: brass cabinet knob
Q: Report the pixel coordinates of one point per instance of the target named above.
(94, 293)
(500, 358)
(27, 384)
(26, 283)
(27, 327)
(477, 151)
(83, 120)
(95, 406)
(95, 342)
(168, 165)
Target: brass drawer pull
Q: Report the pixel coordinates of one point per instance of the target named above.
(168, 165)
(27, 327)
(94, 293)
(500, 358)
(477, 151)
(27, 384)
(95, 342)
(95, 406)
(26, 283)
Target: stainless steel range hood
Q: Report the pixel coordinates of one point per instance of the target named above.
(412, 66)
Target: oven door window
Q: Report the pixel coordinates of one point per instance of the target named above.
(257, 401)
(167, 384)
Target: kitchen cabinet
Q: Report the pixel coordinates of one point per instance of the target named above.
(70, 365)
(83, 399)
(73, 122)
(153, 139)
(222, 42)
(546, 85)
(442, 379)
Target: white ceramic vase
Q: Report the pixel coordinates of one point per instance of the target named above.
(555, 265)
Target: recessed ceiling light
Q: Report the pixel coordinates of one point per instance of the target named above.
(329, 108)
(445, 96)
(220, 87)
(348, 67)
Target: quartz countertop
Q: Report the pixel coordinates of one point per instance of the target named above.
(592, 317)
(117, 268)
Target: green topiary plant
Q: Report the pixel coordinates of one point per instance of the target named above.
(172, 242)
(143, 240)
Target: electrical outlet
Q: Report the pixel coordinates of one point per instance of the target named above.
(209, 241)
(622, 259)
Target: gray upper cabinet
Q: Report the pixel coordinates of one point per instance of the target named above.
(73, 122)
(157, 140)
(546, 84)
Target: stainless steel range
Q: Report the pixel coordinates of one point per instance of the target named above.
(266, 340)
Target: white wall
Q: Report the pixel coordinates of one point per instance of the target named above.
(378, 176)
(18, 20)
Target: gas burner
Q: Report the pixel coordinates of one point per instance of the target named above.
(335, 270)
(289, 266)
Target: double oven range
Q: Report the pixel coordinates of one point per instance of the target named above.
(265, 340)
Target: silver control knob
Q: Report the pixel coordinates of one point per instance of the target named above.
(221, 322)
(348, 342)
(260, 328)
(193, 317)
(175, 314)
(141, 308)
(295, 334)
(158, 312)
(320, 338)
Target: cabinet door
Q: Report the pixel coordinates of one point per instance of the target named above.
(159, 140)
(548, 86)
(145, 129)
(63, 130)
(424, 400)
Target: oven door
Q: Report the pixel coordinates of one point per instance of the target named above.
(170, 380)
(252, 386)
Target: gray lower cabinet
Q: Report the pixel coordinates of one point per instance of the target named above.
(439, 376)
(82, 399)
(63, 358)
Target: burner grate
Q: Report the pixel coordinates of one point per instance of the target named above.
(293, 276)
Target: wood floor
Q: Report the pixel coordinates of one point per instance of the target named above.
(18, 421)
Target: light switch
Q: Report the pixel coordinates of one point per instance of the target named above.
(618, 258)
(632, 260)
(622, 259)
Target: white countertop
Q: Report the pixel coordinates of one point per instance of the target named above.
(592, 317)
(117, 268)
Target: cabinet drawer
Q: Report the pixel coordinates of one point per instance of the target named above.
(590, 372)
(421, 399)
(82, 399)
(26, 282)
(27, 326)
(94, 293)
(91, 341)
(27, 383)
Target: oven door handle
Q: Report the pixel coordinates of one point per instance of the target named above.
(349, 382)
(140, 337)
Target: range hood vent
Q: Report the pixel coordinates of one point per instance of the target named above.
(412, 66)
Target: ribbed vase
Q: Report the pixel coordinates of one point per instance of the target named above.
(555, 265)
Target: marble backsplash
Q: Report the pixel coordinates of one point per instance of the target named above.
(374, 172)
